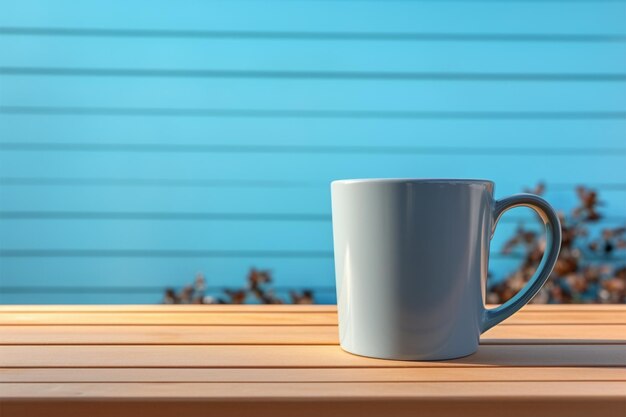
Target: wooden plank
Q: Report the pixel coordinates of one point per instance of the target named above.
(169, 335)
(285, 318)
(289, 335)
(296, 356)
(555, 334)
(314, 407)
(566, 405)
(269, 308)
(62, 375)
(187, 318)
(268, 391)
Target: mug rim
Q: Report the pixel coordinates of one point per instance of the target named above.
(414, 180)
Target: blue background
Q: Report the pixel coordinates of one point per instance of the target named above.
(142, 142)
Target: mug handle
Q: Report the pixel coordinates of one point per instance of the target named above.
(491, 317)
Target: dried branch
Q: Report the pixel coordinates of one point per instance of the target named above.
(575, 278)
(258, 286)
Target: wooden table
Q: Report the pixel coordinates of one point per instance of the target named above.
(285, 361)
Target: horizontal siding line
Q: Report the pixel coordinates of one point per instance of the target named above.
(157, 182)
(184, 253)
(102, 215)
(315, 36)
(313, 114)
(290, 149)
(313, 75)
(149, 253)
(138, 289)
(191, 216)
(228, 183)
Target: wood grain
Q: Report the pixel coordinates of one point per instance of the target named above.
(296, 356)
(284, 318)
(435, 374)
(74, 406)
(341, 390)
(287, 335)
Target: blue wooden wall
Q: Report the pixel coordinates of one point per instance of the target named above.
(144, 141)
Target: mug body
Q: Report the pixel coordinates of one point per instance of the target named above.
(411, 262)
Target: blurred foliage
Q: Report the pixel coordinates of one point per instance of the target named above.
(258, 289)
(586, 270)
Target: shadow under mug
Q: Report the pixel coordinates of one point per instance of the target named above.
(411, 262)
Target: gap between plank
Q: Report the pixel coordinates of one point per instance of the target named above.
(316, 382)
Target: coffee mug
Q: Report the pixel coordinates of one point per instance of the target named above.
(411, 261)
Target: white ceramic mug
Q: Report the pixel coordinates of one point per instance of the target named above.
(411, 258)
